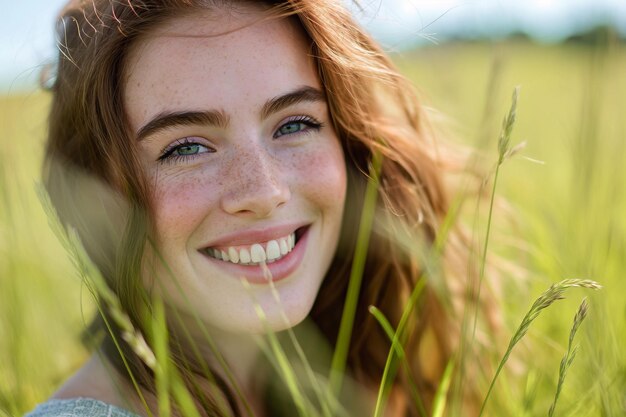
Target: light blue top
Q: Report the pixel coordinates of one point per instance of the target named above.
(78, 407)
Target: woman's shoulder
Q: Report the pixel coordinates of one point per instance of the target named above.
(93, 391)
(78, 407)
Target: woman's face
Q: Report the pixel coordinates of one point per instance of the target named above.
(235, 137)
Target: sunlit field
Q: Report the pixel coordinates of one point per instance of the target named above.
(559, 213)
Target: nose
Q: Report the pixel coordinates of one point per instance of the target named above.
(255, 184)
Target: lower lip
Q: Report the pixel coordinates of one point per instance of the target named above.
(279, 270)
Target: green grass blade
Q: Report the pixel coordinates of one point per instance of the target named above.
(398, 338)
(504, 150)
(93, 280)
(323, 396)
(568, 359)
(288, 374)
(161, 352)
(440, 400)
(220, 403)
(116, 342)
(281, 360)
(545, 300)
(182, 396)
(207, 338)
(475, 287)
(397, 347)
(340, 355)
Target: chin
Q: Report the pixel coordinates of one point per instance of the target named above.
(278, 322)
(270, 316)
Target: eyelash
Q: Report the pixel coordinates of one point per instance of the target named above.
(167, 155)
(308, 121)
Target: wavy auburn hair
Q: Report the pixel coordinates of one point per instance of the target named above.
(374, 111)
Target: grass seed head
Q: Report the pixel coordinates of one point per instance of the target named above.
(507, 126)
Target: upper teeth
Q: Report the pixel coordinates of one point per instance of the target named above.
(256, 253)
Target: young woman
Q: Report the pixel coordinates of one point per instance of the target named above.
(214, 155)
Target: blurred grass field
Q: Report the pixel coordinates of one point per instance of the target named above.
(564, 217)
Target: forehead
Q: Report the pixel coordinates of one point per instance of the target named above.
(215, 58)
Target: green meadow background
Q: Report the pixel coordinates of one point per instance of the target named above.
(560, 212)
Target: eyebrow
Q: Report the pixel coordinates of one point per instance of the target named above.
(300, 95)
(167, 120)
(217, 118)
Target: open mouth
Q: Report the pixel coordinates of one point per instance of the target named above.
(257, 253)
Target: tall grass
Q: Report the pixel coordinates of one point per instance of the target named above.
(566, 212)
(565, 218)
(40, 298)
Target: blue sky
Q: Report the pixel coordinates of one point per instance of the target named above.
(26, 34)
(399, 22)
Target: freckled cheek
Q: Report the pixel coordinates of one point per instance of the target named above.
(322, 175)
(181, 203)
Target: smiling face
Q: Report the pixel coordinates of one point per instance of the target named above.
(234, 135)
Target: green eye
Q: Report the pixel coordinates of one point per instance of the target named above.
(291, 127)
(302, 124)
(186, 150)
(183, 149)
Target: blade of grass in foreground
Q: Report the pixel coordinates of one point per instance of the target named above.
(207, 338)
(430, 271)
(103, 296)
(340, 355)
(322, 397)
(440, 400)
(161, 353)
(427, 259)
(398, 338)
(568, 359)
(274, 350)
(182, 396)
(397, 347)
(552, 294)
(94, 281)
